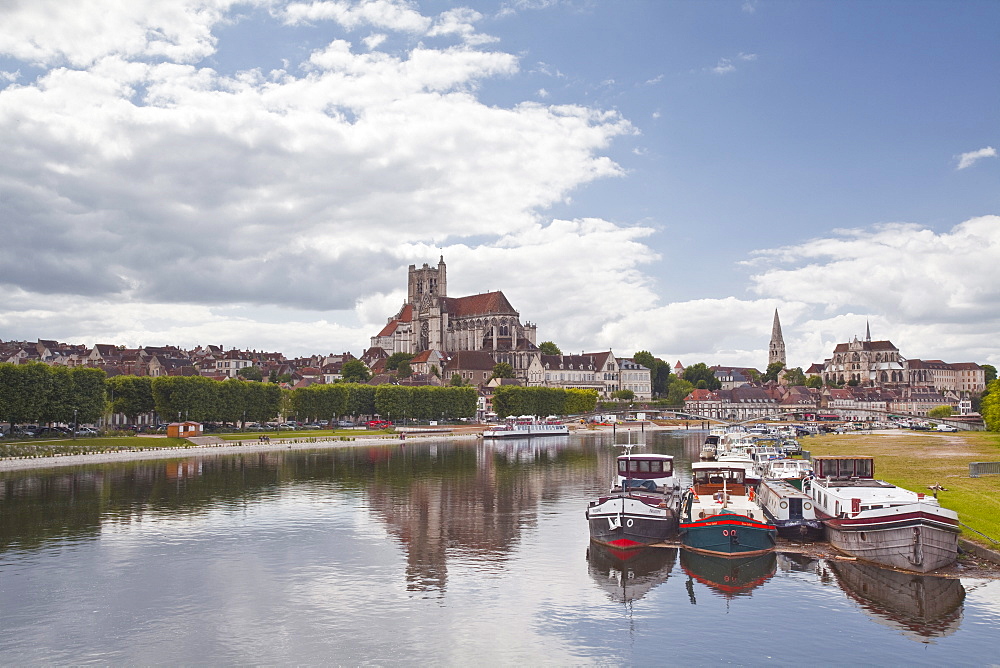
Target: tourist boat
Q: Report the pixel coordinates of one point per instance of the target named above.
(719, 515)
(792, 471)
(642, 505)
(879, 522)
(527, 426)
(730, 577)
(921, 606)
(628, 575)
(789, 509)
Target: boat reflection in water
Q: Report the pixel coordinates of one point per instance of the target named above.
(923, 607)
(728, 576)
(526, 450)
(628, 575)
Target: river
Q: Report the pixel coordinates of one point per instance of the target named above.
(435, 552)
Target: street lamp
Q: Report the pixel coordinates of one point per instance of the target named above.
(74, 424)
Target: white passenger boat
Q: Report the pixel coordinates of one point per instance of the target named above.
(527, 426)
(879, 522)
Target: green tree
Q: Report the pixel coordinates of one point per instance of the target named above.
(355, 371)
(659, 372)
(456, 380)
(502, 370)
(549, 348)
(263, 401)
(991, 372)
(396, 359)
(185, 397)
(250, 373)
(88, 394)
(24, 391)
(815, 382)
(773, 370)
(700, 371)
(360, 399)
(623, 395)
(580, 401)
(231, 400)
(679, 390)
(990, 407)
(943, 411)
(131, 395)
(404, 370)
(795, 377)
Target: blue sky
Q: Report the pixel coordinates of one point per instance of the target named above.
(632, 174)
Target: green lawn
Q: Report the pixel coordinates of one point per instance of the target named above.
(85, 445)
(918, 460)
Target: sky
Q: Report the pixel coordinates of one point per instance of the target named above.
(633, 174)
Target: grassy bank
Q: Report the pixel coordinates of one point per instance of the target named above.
(88, 445)
(918, 460)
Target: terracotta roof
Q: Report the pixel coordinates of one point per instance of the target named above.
(471, 360)
(866, 345)
(488, 303)
(390, 328)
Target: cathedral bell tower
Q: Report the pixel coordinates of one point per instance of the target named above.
(427, 284)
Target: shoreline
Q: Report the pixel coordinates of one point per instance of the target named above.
(229, 448)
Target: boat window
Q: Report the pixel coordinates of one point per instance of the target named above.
(864, 469)
(655, 467)
(846, 468)
(644, 465)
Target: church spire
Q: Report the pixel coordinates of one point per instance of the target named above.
(776, 349)
(868, 332)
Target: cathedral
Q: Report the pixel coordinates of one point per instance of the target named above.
(431, 320)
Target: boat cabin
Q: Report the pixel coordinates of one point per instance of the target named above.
(645, 466)
(844, 468)
(647, 471)
(707, 478)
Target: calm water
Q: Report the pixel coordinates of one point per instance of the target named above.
(432, 553)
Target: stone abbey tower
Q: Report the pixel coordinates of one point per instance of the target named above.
(776, 349)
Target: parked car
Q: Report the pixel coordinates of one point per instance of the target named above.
(86, 431)
(378, 424)
(345, 423)
(946, 427)
(313, 425)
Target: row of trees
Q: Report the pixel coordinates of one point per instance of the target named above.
(516, 400)
(327, 402)
(40, 393)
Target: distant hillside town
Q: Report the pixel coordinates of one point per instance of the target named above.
(434, 339)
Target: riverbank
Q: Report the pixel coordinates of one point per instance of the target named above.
(209, 445)
(214, 448)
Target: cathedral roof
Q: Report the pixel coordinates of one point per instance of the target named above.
(866, 345)
(487, 303)
(389, 328)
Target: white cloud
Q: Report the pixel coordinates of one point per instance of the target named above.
(972, 157)
(49, 32)
(724, 66)
(150, 184)
(397, 15)
(933, 293)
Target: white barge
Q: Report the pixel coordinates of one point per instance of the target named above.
(879, 522)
